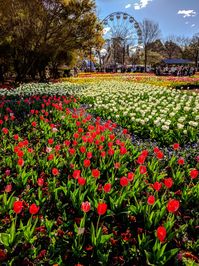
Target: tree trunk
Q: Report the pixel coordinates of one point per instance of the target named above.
(145, 58)
(197, 59)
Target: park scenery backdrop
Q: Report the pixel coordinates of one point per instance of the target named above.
(99, 161)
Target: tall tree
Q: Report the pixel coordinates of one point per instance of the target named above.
(40, 31)
(194, 49)
(150, 33)
(171, 47)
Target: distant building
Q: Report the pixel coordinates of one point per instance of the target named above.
(176, 61)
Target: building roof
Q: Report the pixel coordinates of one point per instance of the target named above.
(176, 61)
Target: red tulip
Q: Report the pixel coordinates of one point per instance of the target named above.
(157, 186)
(76, 174)
(117, 165)
(141, 159)
(87, 163)
(30, 150)
(82, 149)
(145, 153)
(34, 124)
(168, 182)
(50, 141)
(151, 200)
(89, 155)
(142, 169)
(111, 136)
(20, 153)
(76, 135)
(156, 149)
(124, 181)
(107, 187)
(5, 130)
(18, 206)
(161, 233)
(194, 173)
(67, 142)
(16, 137)
(71, 151)
(101, 208)
(81, 181)
(55, 171)
(181, 161)
(33, 209)
(20, 162)
(173, 205)
(130, 176)
(176, 146)
(95, 173)
(50, 157)
(125, 131)
(123, 150)
(40, 182)
(160, 155)
(111, 152)
(57, 147)
(103, 154)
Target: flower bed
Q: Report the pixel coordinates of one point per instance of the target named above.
(147, 78)
(148, 111)
(74, 193)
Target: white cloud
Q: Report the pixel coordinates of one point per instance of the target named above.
(187, 13)
(193, 25)
(187, 22)
(105, 30)
(128, 6)
(141, 4)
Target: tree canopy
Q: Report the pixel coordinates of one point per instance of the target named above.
(35, 33)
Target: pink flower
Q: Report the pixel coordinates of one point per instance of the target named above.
(86, 206)
(8, 188)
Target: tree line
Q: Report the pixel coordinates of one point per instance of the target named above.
(155, 48)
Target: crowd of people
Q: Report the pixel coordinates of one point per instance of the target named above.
(175, 70)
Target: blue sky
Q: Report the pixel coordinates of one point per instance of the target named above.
(175, 17)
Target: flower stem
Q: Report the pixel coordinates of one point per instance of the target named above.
(97, 226)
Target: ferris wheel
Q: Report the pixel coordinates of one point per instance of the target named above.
(123, 28)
